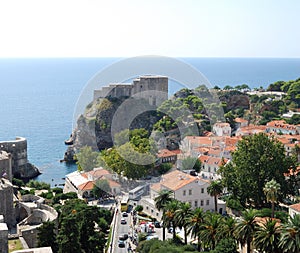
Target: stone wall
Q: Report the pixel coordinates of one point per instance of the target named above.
(139, 86)
(3, 238)
(6, 202)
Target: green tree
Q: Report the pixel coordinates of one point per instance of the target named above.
(226, 245)
(194, 223)
(169, 219)
(189, 163)
(86, 159)
(246, 228)
(271, 191)
(267, 236)
(215, 189)
(182, 215)
(227, 228)
(256, 155)
(161, 201)
(47, 235)
(69, 235)
(290, 235)
(129, 161)
(208, 233)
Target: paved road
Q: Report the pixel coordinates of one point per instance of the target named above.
(121, 229)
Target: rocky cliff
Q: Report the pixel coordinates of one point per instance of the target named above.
(94, 127)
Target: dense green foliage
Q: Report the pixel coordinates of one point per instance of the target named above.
(258, 159)
(157, 246)
(86, 159)
(38, 185)
(47, 235)
(134, 158)
(77, 227)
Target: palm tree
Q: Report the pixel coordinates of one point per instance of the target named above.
(245, 228)
(194, 224)
(163, 198)
(214, 190)
(182, 215)
(227, 228)
(271, 190)
(169, 217)
(290, 236)
(267, 236)
(208, 232)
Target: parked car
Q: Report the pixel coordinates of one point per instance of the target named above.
(124, 214)
(123, 221)
(123, 237)
(157, 224)
(121, 244)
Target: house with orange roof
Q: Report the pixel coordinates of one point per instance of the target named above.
(280, 126)
(211, 165)
(240, 122)
(186, 188)
(166, 156)
(294, 209)
(250, 130)
(83, 182)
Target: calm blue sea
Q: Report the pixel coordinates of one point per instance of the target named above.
(38, 96)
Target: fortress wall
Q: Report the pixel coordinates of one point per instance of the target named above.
(49, 209)
(18, 150)
(6, 202)
(3, 238)
(30, 236)
(139, 86)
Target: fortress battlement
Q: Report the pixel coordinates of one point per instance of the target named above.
(151, 87)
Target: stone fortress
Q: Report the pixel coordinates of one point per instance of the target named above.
(19, 216)
(15, 153)
(151, 87)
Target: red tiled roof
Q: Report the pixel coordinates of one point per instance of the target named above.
(86, 186)
(240, 120)
(295, 207)
(165, 153)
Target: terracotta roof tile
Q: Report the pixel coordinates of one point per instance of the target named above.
(295, 207)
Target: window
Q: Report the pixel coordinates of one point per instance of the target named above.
(202, 190)
(196, 203)
(190, 191)
(208, 169)
(207, 202)
(201, 203)
(184, 192)
(147, 207)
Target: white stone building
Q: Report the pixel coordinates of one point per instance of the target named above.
(221, 129)
(83, 182)
(186, 188)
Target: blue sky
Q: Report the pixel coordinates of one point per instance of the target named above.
(188, 28)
